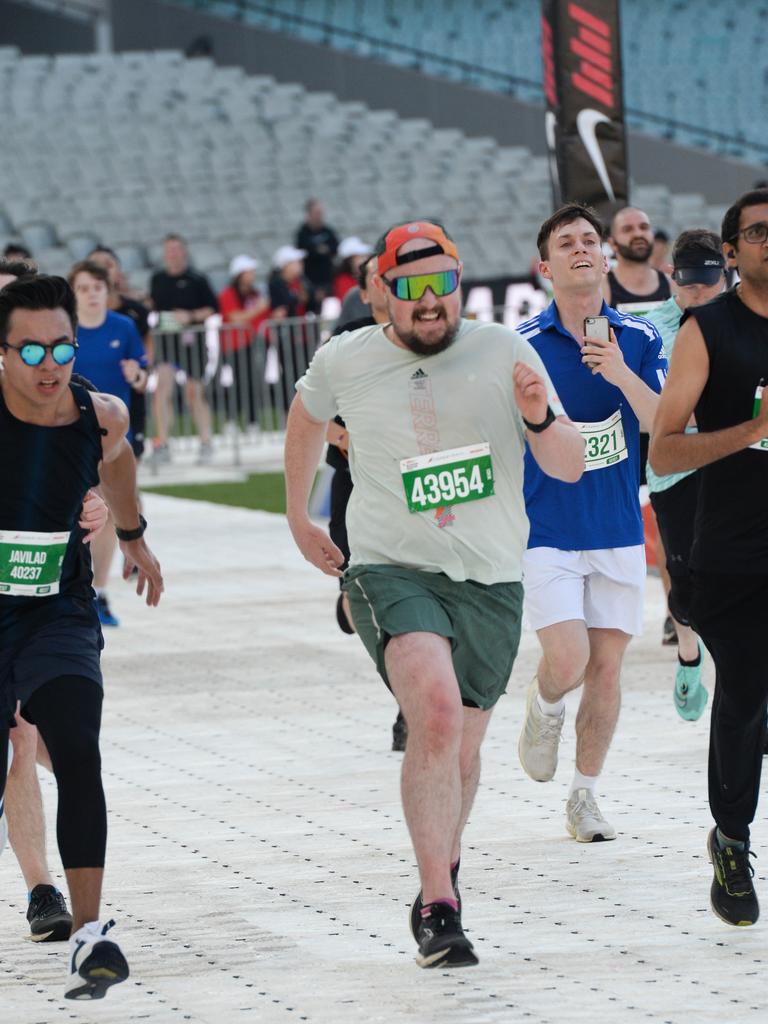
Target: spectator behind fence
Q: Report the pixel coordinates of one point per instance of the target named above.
(244, 309)
(183, 298)
(242, 304)
(320, 243)
(291, 292)
(291, 296)
(353, 252)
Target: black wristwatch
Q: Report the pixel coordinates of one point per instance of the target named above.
(538, 428)
(132, 534)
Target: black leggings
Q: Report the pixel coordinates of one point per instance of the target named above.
(67, 713)
(729, 612)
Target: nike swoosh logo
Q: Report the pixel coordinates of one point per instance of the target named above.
(586, 124)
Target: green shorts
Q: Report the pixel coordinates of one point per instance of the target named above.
(482, 622)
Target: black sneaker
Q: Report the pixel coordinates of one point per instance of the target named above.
(669, 633)
(732, 895)
(418, 905)
(442, 942)
(399, 732)
(49, 919)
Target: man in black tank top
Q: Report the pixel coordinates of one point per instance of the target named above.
(634, 285)
(718, 371)
(56, 441)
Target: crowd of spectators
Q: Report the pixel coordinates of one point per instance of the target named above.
(180, 299)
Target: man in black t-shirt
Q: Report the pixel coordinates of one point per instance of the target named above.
(184, 299)
(320, 243)
(718, 372)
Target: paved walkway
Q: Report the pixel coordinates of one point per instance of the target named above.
(258, 865)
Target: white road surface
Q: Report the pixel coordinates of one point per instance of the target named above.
(258, 865)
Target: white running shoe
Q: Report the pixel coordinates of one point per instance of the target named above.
(584, 821)
(539, 739)
(95, 963)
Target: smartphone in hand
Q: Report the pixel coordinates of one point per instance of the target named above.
(597, 327)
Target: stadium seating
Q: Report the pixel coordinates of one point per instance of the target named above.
(495, 44)
(124, 148)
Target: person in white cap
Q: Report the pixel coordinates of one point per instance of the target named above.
(289, 288)
(243, 309)
(353, 252)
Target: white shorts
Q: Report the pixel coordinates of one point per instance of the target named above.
(605, 588)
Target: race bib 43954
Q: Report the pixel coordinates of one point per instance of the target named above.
(447, 478)
(30, 563)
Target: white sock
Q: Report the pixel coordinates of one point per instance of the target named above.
(550, 709)
(582, 782)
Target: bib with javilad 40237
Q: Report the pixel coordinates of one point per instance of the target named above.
(605, 443)
(448, 478)
(30, 563)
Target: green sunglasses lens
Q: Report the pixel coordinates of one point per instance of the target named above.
(63, 353)
(413, 288)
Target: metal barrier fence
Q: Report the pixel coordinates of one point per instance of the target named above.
(240, 381)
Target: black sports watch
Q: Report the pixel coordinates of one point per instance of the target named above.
(132, 534)
(538, 428)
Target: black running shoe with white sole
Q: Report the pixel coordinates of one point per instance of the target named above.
(442, 942)
(732, 894)
(418, 905)
(49, 919)
(95, 963)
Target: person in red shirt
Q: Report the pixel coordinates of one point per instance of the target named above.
(243, 309)
(353, 252)
(242, 304)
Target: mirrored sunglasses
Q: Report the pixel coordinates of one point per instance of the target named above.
(33, 353)
(413, 288)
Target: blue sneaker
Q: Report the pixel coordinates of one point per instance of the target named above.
(690, 694)
(106, 618)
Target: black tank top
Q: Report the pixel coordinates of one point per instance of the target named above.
(45, 474)
(620, 295)
(731, 533)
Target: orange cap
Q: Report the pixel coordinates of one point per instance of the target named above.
(403, 233)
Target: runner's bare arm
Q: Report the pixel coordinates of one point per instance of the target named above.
(672, 450)
(117, 476)
(559, 450)
(304, 439)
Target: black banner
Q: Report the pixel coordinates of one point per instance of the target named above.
(581, 50)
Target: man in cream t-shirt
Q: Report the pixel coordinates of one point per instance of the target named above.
(438, 411)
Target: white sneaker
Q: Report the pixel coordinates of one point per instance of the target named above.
(584, 821)
(95, 963)
(539, 739)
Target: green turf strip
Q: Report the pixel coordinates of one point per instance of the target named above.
(265, 491)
